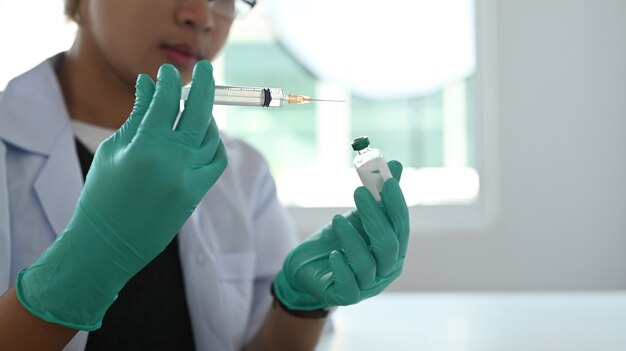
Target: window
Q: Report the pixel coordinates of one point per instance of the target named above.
(433, 132)
(27, 42)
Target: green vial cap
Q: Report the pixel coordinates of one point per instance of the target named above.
(360, 143)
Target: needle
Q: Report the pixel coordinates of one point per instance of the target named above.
(314, 99)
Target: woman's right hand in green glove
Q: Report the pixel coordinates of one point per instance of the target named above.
(144, 183)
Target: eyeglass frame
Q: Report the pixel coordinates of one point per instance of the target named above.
(240, 8)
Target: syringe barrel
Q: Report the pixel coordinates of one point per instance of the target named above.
(243, 96)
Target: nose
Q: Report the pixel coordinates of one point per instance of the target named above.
(195, 14)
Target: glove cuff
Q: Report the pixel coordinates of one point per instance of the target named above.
(39, 302)
(313, 314)
(74, 282)
(293, 299)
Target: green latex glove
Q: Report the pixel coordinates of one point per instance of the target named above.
(353, 258)
(144, 183)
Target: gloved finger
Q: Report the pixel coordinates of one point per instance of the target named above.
(209, 143)
(396, 169)
(355, 220)
(199, 105)
(345, 290)
(144, 90)
(397, 211)
(357, 253)
(165, 103)
(208, 174)
(383, 241)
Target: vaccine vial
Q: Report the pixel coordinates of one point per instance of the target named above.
(370, 166)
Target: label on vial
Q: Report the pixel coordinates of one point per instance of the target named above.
(373, 174)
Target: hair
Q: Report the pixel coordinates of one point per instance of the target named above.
(71, 9)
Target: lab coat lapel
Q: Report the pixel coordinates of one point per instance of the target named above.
(59, 184)
(33, 117)
(5, 235)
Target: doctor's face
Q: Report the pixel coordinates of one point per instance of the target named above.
(128, 37)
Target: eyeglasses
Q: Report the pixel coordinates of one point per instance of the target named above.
(232, 9)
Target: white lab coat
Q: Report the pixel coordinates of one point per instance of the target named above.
(230, 248)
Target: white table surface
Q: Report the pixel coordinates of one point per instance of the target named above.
(481, 322)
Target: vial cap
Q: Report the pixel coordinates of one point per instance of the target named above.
(360, 143)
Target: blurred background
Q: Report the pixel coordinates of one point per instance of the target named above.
(509, 117)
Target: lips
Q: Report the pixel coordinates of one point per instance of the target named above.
(182, 54)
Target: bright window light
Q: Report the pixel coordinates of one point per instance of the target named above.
(32, 30)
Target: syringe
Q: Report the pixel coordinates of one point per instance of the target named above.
(253, 96)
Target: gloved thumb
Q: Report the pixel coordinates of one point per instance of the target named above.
(396, 169)
(144, 90)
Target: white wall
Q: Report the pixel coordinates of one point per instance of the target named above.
(562, 159)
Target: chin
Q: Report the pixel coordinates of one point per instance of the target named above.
(185, 74)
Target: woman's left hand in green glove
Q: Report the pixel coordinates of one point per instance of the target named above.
(353, 258)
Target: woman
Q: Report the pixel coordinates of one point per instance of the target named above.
(205, 284)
